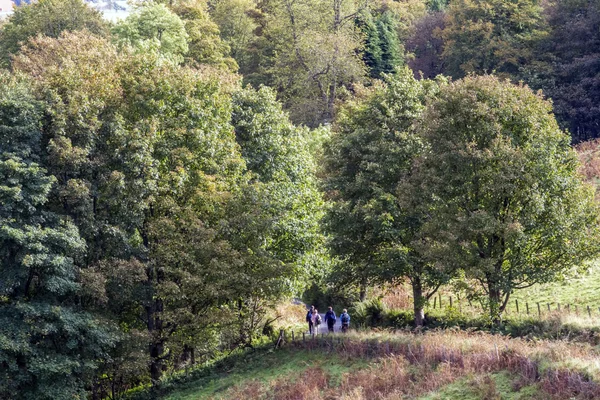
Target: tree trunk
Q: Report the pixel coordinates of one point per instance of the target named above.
(494, 302)
(418, 301)
(156, 347)
(362, 295)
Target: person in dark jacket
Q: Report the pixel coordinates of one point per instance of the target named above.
(330, 318)
(345, 318)
(309, 319)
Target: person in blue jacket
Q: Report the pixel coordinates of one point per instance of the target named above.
(309, 319)
(330, 318)
(345, 318)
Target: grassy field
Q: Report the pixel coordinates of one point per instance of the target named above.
(436, 365)
(574, 294)
(581, 290)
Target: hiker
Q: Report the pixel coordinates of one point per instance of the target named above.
(309, 319)
(316, 321)
(330, 318)
(345, 318)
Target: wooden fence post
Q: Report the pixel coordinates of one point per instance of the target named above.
(527, 306)
(558, 305)
(434, 302)
(539, 311)
(548, 304)
(450, 301)
(517, 305)
(589, 312)
(440, 296)
(303, 337)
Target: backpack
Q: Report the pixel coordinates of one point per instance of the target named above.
(345, 318)
(318, 319)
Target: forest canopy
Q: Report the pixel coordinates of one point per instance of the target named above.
(167, 179)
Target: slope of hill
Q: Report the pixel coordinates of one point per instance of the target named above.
(436, 365)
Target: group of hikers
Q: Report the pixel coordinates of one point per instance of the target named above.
(314, 320)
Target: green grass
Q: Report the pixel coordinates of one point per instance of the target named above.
(266, 367)
(290, 363)
(581, 290)
(500, 385)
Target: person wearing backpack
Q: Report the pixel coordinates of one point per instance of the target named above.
(309, 319)
(330, 319)
(316, 320)
(345, 318)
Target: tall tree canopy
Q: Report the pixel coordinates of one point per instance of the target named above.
(48, 345)
(510, 208)
(368, 160)
(48, 18)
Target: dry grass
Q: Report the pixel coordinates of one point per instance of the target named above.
(408, 365)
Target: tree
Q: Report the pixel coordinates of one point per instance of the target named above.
(382, 51)
(48, 345)
(153, 25)
(281, 159)
(368, 162)
(427, 46)
(372, 48)
(509, 207)
(498, 36)
(392, 51)
(315, 52)
(567, 68)
(131, 140)
(237, 26)
(205, 45)
(49, 18)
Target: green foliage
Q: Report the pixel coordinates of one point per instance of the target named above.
(566, 66)
(49, 18)
(492, 36)
(510, 208)
(382, 52)
(311, 53)
(372, 48)
(153, 26)
(205, 47)
(279, 155)
(368, 160)
(391, 49)
(48, 346)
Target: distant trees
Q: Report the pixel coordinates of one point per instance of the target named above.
(49, 18)
(491, 36)
(383, 52)
(568, 65)
(153, 25)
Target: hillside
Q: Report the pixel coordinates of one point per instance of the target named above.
(449, 365)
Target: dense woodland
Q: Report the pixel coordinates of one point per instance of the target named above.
(167, 179)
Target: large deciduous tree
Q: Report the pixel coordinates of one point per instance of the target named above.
(369, 160)
(48, 346)
(48, 18)
(153, 25)
(509, 206)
